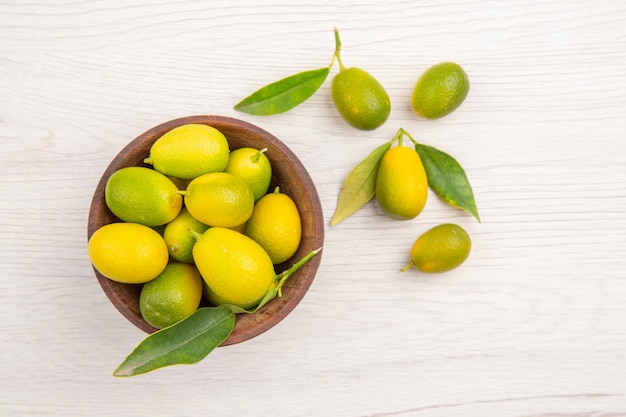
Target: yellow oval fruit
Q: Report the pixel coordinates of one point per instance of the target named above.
(235, 268)
(219, 199)
(275, 224)
(189, 151)
(360, 99)
(142, 195)
(171, 296)
(252, 166)
(401, 183)
(130, 253)
(440, 90)
(440, 249)
(179, 238)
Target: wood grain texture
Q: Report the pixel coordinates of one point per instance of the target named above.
(533, 324)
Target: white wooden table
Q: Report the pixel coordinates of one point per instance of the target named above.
(533, 324)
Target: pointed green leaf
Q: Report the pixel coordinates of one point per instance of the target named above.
(285, 94)
(447, 178)
(359, 186)
(186, 342)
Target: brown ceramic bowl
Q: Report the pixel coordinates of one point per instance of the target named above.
(288, 173)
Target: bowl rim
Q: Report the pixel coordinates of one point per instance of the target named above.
(272, 313)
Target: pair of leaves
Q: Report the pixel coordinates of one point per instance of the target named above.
(445, 176)
(193, 338)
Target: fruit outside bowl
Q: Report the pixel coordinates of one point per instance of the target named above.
(287, 172)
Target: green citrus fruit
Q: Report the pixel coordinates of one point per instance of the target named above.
(171, 296)
(189, 151)
(440, 90)
(130, 253)
(252, 166)
(235, 268)
(219, 199)
(401, 183)
(178, 236)
(275, 224)
(142, 195)
(440, 249)
(360, 99)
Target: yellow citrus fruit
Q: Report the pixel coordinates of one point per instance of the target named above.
(178, 236)
(171, 296)
(235, 268)
(440, 249)
(401, 183)
(219, 199)
(142, 195)
(440, 90)
(252, 166)
(130, 253)
(189, 151)
(275, 224)
(360, 99)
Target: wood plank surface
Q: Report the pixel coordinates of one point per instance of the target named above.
(533, 324)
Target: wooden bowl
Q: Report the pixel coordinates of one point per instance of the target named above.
(287, 172)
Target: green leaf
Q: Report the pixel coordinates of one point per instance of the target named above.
(359, 186)
(285, 94)
(186, 342)
(447, 178)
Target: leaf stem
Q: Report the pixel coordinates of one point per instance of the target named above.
(337, 54)
(408, 135)
(397, 137)
(194, 234)
(283, 276)
(407, 267)
(255, 158)
(401, 132)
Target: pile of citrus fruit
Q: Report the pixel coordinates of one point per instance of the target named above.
(199, 220)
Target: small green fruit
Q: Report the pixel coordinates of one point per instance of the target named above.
(440, 90)
(142, 195)
(360, 99)
(178, 237)
(171, 296)
(219, 199)
(440, 249)
(252, 166)
(188, 151)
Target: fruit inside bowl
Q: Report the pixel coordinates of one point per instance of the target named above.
(285, 177)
